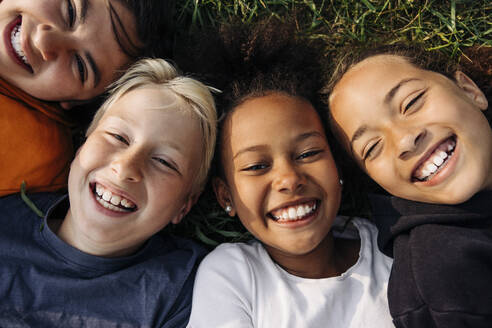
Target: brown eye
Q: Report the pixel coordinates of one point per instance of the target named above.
(308, 154)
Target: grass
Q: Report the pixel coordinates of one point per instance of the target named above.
(447, 26)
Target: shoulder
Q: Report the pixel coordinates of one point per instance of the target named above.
(236, 254)
(15, 206)
(233, 264)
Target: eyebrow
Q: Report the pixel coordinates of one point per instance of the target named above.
(391, 94)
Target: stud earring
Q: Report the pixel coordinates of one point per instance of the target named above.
(341, 182)
(228, 209)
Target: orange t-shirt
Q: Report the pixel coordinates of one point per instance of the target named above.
(37, 143)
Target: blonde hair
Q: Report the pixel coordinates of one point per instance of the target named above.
(198, 97)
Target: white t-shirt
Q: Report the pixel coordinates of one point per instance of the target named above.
(238, 285)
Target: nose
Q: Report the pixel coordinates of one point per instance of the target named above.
(127, 166)
(288, 178)
(50, 41)
(409, 141)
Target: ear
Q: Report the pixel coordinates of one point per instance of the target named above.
(471, 90)
(223, 195)
(190, 201)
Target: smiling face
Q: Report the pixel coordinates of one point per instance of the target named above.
(418, 134)
(134, 173)
(281, 177)
(61, 50)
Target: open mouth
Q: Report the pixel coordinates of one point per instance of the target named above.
(15, 44)
(436, 160)
(112, 201)
(294, 212)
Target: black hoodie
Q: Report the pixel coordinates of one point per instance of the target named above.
(442, 269)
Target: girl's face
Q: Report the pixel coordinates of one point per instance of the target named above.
(415, 132)
(281, 179)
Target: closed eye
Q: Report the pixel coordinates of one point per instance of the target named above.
(81, 68)
(414, 101)
(120, 138)
(165, 163)
(70, 13)
(371, 151)
(255, 167)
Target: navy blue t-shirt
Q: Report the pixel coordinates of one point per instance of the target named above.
(45, 282)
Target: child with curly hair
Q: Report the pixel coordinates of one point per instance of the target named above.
(417, 125)
(277, 174)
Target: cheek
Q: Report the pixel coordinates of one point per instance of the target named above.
(247, 196)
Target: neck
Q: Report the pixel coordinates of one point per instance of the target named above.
(73, 235)
(330, 258)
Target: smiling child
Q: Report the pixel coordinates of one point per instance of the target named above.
(96, 258)
(63, 52)
(416, 125)
(277, 174)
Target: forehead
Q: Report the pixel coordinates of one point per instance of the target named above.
(264, 118)
(375, 72)
(359, 96)
(136, 103)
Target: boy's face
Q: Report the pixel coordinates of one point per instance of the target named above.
(61, 50)
(133, 175)
(418, 134)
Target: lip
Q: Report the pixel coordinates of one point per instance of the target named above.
(446, 171)
(295, 224)
(7, 33)
(103, 209)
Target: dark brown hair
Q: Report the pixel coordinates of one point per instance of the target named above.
(155, 28)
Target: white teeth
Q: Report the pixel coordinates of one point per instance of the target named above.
(107, 196)
(99, 190)
(300, 211)
(15, 39)
(431, 167)
(294, 212)
(115, 200)
(110, 206)
(111, 201)
(437, 160)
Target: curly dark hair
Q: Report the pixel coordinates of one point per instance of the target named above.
(253, 60)
(247, 61)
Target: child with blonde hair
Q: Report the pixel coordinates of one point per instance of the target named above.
(96, 258)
